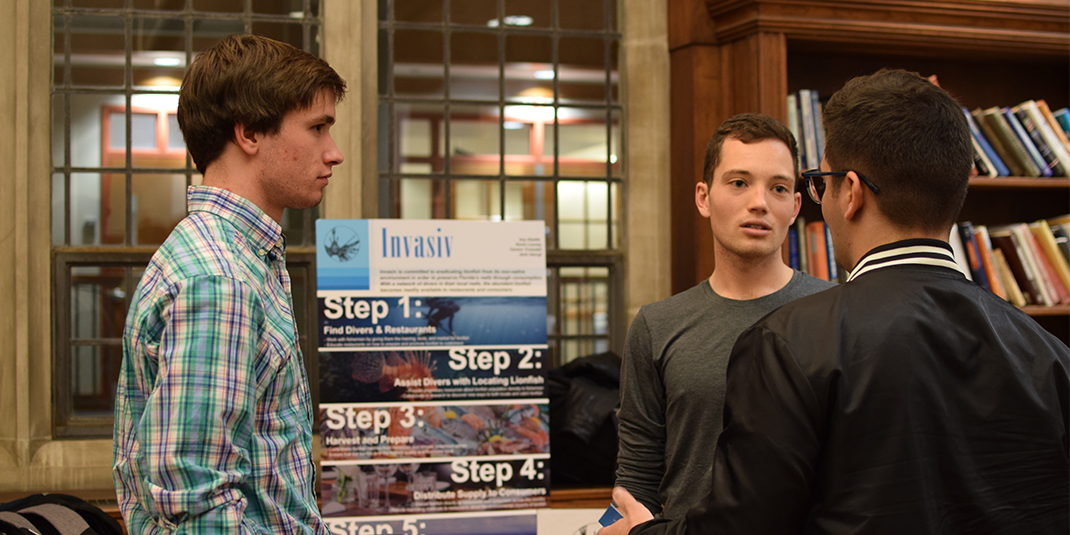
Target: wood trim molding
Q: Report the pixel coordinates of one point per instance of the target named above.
(995, 27)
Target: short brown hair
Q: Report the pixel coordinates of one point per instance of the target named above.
(910, 138)
(249, 80)
(748, 128)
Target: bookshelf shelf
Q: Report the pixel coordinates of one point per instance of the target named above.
(733, 56)
(1036, 311)
(1019, 183)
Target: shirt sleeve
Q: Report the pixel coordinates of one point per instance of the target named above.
(641, 457)
(200, 415)
(766, 456)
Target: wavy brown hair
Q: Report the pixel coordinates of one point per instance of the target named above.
(249, 80)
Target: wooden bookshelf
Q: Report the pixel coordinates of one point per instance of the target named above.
(733, 56)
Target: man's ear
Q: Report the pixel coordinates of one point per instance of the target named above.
(247, 140)
(854, 198)
(702, 198)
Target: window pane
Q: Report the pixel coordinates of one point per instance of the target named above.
(529, 74)
(98, 302)
(583, 74)
(529, 200)
(583, 214)
(98, 50)
(58, 208)
(528, 13)
(479, 12)
(287, 33)
(59, 111)
(87, 124)
(419, 10)
(158, 58)
(94, 374)
(171, 5)
(474, 66)
(231, 6)
(474, 141)
(174, 133)
(142, 131)
(418, 64)
(94, 219)
(159, 203)
(415, 137)
(417, 198)
(585, 15)
(476, 200)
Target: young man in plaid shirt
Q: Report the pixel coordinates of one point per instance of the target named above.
(213, 421)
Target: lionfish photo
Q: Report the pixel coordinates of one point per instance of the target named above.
(385, 368)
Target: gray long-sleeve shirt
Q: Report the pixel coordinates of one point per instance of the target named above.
(672, 389)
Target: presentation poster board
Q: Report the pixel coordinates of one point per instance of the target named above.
(432, 364)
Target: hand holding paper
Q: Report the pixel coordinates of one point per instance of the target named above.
(633, 513)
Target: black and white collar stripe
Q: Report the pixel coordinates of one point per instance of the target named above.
(911, 252)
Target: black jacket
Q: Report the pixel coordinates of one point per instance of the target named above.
(905, 401)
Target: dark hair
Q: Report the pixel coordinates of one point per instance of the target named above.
(748, 128)
(910, 138)
(249, 80)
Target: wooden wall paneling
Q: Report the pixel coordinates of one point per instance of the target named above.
(697, 109)
(689, 24)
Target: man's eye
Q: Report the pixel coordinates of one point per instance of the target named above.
(737, 183)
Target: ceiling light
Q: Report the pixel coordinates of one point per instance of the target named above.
(512, 20)
(545, 74)
(512, 125)
(167, 61)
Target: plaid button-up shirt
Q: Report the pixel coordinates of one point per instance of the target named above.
(213, 429)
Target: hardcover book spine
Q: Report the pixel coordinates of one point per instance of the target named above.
(1047, 135)
(998, 122)
(1014, 168)
(982, 146)
(1028, 141)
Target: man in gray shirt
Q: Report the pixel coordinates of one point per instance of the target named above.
(676, 354)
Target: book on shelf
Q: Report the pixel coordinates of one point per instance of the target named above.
(1050, 288)
(793, 126)
(819, 129)
(1013, 167)
(808, 123)
(994, 120)
(830, 255)
(973, 255)
(1042, 231)
(981, 163)
(984, 250)
(1060, 228)
(984, 150)
(1049, 146)
(793, 248)
(1005, 242)
(1062, 116)
(1027, 142)
(802, 245)
(1010, 285)
(818, 250)
(959, 252)
(1042, 105)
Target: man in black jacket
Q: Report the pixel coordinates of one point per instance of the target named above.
(907, 400)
